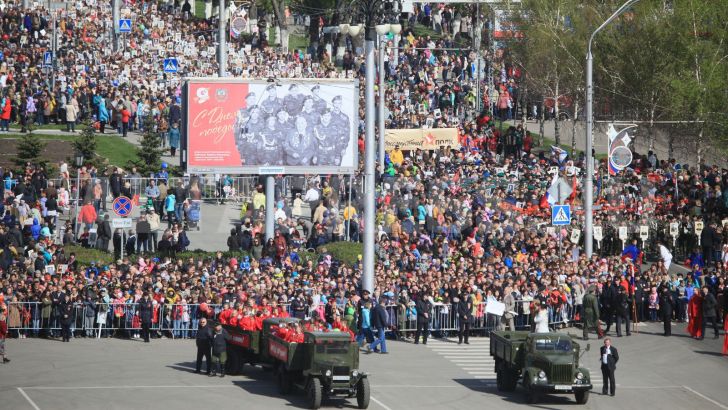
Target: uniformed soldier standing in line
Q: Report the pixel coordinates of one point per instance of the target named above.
(250, 137)
(299, 144)
(325, 141)
(272, 104)
(269, 152)
(319, 104)
(342, 124)
(311, 115)
(294, 100)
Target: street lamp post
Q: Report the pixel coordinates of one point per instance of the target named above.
(79, 164)
(589, 176)
(222, 52)
(382, 30)
(369, 164)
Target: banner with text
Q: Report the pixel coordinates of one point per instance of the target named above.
(424, 139)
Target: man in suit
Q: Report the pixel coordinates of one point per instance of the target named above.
(145, 310)
(204, 346)
(608, 357)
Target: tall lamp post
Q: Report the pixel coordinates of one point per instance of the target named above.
(589, 176)
(382, 30)
(79, 164)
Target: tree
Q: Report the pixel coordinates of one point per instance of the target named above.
(85, 144)
(149, 152)
(30, 148)
(552, 52)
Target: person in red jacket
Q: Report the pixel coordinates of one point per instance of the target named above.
(88, 215)
(125, 116)
(3, 334)
(225, 315)
(5, 114)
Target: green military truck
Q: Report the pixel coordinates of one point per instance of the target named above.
(326, 364)
(543, 362)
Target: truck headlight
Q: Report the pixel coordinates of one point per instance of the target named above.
(354, 374)
(579, 376)
(328, 373)
(541, 374)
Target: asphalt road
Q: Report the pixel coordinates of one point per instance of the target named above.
(654, 372)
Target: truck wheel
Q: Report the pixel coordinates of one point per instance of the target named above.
(362, 393)
(509, 380)
(531, 394)
(284, 382)
(499, 380)
(582, 396)
(314, 393)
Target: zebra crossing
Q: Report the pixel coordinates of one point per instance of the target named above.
(476, 361)
(474, 358)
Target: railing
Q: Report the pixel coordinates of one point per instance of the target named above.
(181, 320)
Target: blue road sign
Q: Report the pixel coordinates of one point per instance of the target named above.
(561, 215)
(122, 206)
(170, 65)
(48, 59)
(124, 25)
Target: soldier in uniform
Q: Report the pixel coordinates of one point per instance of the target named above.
(284, 127)
(299, 144)
(311, 115)
(269, 150)
(250, 138)
(319, 104)
(293, 101)
(342, 125)
(271, 104)
(326, 141)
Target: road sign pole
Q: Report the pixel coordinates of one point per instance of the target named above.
(115, 29)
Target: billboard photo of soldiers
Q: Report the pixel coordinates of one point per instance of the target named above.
(294, 124)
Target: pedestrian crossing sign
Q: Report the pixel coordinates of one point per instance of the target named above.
(48, 59)
(561, 215)
(170, 65)
(124, 25)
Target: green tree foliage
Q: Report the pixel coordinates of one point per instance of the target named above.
(149, 152)
(29, 149)
(661, 60)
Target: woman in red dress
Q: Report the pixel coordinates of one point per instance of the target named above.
(695, 316)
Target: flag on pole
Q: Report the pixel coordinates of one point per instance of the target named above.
(562, 154)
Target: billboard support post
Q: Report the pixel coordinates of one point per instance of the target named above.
(222, 52)
(270, 189)
(370, 154)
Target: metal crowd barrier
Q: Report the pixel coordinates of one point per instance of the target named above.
(181, 320)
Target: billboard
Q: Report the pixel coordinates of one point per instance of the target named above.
(424, 139)
(284, 126)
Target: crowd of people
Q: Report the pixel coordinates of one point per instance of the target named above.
(457, 228)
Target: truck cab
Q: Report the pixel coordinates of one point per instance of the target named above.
(543, 362)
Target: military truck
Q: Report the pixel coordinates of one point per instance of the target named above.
(543, 362)
(326, 364)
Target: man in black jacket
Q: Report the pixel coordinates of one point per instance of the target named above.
(608, 356)
(464, 310)
(115, 182)
(378, 321)
(145, 309)
(623, 308)
(104, 234)
(609, 298)
(709, 305)
(204, 345)
(219, 350)
(666, 310)
(424, 312)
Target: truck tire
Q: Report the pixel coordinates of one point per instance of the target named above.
(284, 382)
(362, 393)
(314, 393)
(510, 380)
(531, 393)
(582, 396)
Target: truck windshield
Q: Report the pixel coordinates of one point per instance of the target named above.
(332, 347)
(550, 345)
